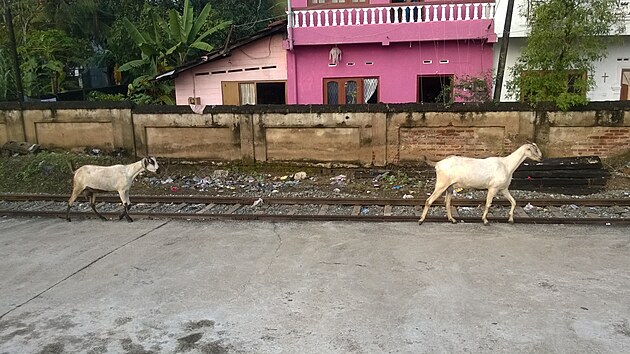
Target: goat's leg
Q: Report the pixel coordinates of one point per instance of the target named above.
(125, 213)
(439, 189)
(491, 193)
(509, 197)
(92, 198)
(124, 198)
(76, 191)
(449, 196)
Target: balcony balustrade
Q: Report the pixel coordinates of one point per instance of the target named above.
(364, 16)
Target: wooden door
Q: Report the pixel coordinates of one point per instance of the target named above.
(229, 91)
(625, 82)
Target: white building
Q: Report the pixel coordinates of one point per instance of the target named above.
(609, 72)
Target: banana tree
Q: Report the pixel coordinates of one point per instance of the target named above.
(168, 44)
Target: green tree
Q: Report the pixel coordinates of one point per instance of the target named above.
(49, 55)
(566, 38)
(168, 44)
(7, 78)
(247, 16)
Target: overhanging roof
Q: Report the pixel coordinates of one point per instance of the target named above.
(273, 28)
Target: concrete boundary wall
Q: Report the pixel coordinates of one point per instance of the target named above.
(360, 134)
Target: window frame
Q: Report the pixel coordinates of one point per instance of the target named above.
(232, 89)
(623, 95)
(341, 92)
(570, 73)
(419, 89)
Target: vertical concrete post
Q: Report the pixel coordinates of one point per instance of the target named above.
(122, 125)
(259, 137)
(247, 137)
(15, 125)
(379, 139)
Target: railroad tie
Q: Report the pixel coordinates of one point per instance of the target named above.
(293, 209)
(233, 208)
(206, 208)
(555, 211)
(590, 214)
(520, 212)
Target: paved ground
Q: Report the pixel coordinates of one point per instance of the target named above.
(257, 287)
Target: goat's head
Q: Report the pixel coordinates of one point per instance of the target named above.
(150, 164)
(533, 152)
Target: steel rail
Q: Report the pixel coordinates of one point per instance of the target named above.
(321, 215)
(201, 199)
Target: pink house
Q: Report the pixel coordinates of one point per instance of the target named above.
(389, 51)
(350, 51)
(250, 71)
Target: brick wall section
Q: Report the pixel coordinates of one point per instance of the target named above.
(603, 142)
(437, 143)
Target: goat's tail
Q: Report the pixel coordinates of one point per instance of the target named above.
(428, 162)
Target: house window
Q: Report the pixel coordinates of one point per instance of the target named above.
(351, 90)
(243, 93)
(247, 93)
(405, 14)
(625, 84)
(573, 80)
(270, 93)
(435, 89)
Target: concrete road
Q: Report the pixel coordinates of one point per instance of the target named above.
(256, 287)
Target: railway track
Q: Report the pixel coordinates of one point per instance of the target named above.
(537, 211)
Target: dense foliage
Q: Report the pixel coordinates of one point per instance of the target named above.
(65, 44)
(566, 38)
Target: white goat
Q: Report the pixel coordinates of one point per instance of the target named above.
(89, 179)
(492, 173)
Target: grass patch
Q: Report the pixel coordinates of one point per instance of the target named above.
(45, 172)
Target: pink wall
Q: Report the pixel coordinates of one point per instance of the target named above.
(246, 63)
(396, 66)
(396, 32)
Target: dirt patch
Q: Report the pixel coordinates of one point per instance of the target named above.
(49, 173)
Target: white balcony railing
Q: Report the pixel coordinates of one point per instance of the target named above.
(359, 16)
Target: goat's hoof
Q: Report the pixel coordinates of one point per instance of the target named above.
(68, 219)
(511, 221)
(485, 222)
(453, 221)
(420, 222)
(129, 220)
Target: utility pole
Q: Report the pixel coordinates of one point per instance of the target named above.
(16, 64)
(503, 53)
